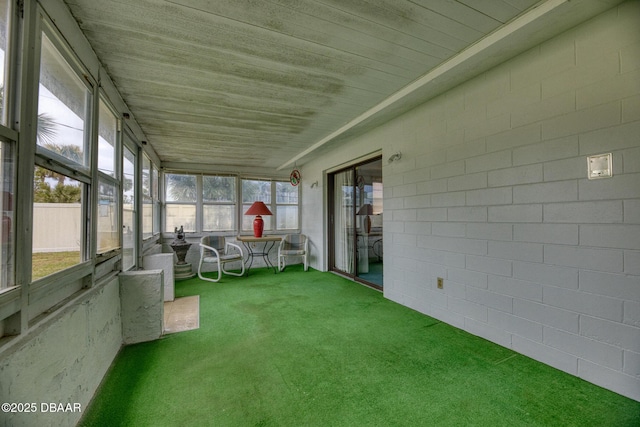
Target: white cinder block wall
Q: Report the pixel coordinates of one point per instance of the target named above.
(63, 360)
(492, 194)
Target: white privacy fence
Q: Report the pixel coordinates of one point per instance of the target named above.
(57, 227)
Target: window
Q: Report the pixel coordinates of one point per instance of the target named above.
(61, 174)
(107, 140)
(209, 203)
(57, 199)
(255, 191)
(5, 13)
(219, 203)
(181, 199)
(108, 217)
(7, 206)
(108, 233)
(284, 206)
(63, 107)
(150, 200)
(128, 208)
(6, 160)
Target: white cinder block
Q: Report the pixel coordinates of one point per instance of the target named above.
(431, 214)
(392, 203)
(447, 170)
(555, 106)
(610, 87)
(490, 231)
(488, 332)
(467, 309)
(631, 314)
(404, 190)
(587, 258)
(618, 187)
(598, 117)
(516, 213)
(404, 215)
(564, 277)
(515, 176)
(467, 214)
(467, 182)
(490, 299)
(610, 236)
(560, 191)
(631, 162)
(404, 239)
(448, 229)
(632, 211)
(563, 234)
(487, 162)
(610, 139)
(515, 100)
(629, 58)
(555, 149)
(545, 354)
(516, 288)
(609, 211)
(564, 169)
(413, 176)
(631, 363)
(448, 199)
(471, 278)
(614, 333)
(580, 302)
(585, 348)
(516, 325)
(483, 264)
(511, 138)
(485, 126)
(608, 378)
(421, 201)
(521, 251)
(589, 72)
(466, 149)
(490, 196)
(416, 228)
(632, 262)
(547, 315)
(453, 244)
(454, 319)
(621, 286)
(631, 108)
(431, 187)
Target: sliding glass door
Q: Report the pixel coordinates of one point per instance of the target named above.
(356, 222)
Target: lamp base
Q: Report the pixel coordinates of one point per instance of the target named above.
(258, 226)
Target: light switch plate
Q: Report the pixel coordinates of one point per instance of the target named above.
(599, 166)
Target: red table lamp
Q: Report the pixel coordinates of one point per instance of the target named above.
(258, 209)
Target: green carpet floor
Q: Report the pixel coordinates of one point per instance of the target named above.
(313, 349)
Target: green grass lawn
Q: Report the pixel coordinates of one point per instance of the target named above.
(46, 263)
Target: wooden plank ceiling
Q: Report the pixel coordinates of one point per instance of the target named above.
(233, 84)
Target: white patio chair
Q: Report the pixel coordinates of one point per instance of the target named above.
(214, 250)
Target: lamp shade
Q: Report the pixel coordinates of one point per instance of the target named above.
(258, 209)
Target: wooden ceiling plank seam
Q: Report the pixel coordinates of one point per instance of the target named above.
(356, 40)
(298, 72)
(388, 67)
(350, 44)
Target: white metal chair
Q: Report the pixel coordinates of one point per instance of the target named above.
(293, 245)
(214, 250)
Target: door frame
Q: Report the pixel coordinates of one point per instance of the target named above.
(331, 219)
